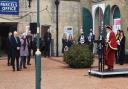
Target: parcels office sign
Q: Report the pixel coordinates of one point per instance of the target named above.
(9, 7)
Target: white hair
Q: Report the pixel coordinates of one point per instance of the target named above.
(15, 32)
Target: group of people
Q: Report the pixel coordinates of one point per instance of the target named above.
(67, 42)
(19, 50)
(115, 48)
(114, 45)
(19, 47)
(45, 44)
(120, 53)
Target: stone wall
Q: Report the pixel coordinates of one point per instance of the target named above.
(69, 15)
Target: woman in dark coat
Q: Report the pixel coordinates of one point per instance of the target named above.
(47, 41)
(122, 48)
(23, 51)
(118, 42)
(70, 41)
(64, 42)
(82, 39)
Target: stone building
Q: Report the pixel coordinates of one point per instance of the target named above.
(69, 17)
(90, 14)
(113, 12)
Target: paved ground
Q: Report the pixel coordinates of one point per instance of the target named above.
(57, 75)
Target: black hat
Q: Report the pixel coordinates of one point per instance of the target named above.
(108, 26)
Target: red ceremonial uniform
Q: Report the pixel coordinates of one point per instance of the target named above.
(110, 51)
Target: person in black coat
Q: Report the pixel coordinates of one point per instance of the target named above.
(34, 45)
(117, 52)
(91, 39)
(9, 49)
(15, 41)
(29, 40)
(82, 39)
(70, 41)
(47, 41)
(122, 48)
(64, 42)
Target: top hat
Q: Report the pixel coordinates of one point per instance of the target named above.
(108, 26)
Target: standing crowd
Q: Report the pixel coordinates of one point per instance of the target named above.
(20, 48)
(67, 42)
(114, 49)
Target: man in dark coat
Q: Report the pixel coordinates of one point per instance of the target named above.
(47, 40)
(34, 45)
(91, 39)
(82, 39)
(9, 49)
(29, 40)
(15, 41)
(121, 48)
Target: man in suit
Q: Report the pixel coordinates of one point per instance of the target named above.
(82, 39)
(91, 39)
(9, 49)
(47, 40)
(29, 40)
(15, 41)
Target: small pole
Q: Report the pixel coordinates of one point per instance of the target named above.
(38, 53)
(57, 4)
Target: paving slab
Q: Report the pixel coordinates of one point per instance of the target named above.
(57, 75)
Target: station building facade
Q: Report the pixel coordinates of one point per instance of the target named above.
(69, 18)
(102, 12)
(73, 14)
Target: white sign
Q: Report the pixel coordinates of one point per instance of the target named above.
(117, 25)
(9, 7)
(68, 30)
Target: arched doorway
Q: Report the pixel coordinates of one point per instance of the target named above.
(116, 18)
(98, 22)
(106, 20)
(87, 21)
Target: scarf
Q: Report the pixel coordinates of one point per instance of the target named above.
(24, 43)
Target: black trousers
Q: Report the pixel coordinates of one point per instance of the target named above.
(9, 57)
(23, 62)
(29, 56)
(47, 50)
(15, 57)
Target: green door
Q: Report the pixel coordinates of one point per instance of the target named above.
(87, 21)
(107, 15)
(116, 13)
(106, 19)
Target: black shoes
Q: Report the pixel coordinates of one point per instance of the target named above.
(28, 64)
(13, 69)
(18, 70)
(25, 67)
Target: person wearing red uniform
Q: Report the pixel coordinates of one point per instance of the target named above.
(111, 48)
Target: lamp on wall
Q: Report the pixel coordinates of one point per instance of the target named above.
(29, 3)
